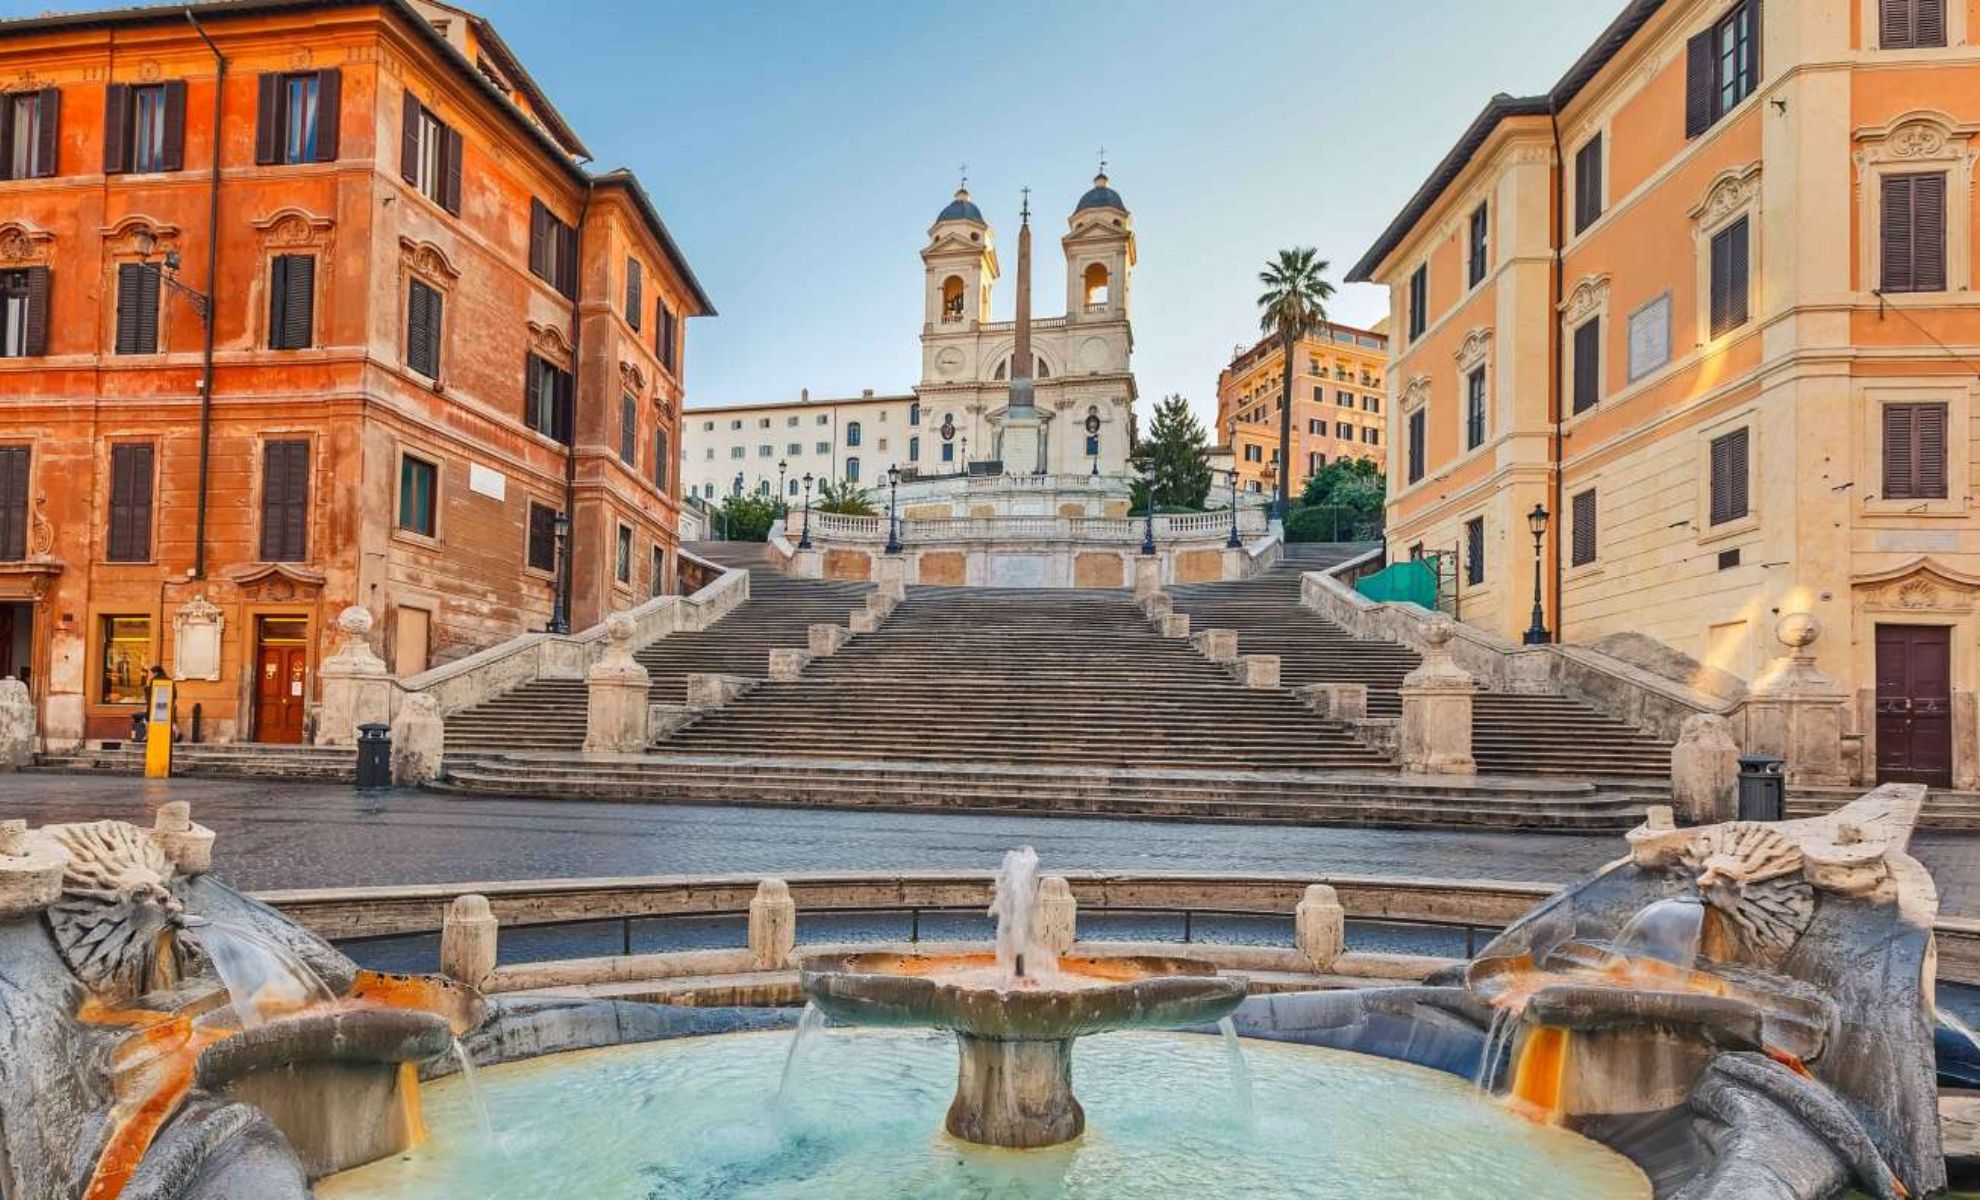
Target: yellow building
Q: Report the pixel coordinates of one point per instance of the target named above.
(1708, 303)
(1338, 407)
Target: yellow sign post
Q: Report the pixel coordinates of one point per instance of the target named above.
(158, 732)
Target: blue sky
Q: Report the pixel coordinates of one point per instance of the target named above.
(799, 150)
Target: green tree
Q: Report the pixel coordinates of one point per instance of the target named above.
(1342, 502)
(845, 498)
(745, 518)
(1293, 305)
(1178, 450)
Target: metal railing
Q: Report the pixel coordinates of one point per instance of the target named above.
(926, 530)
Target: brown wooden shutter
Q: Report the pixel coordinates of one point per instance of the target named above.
(14, 462)
(172, 155)
(285, 501)
(1588, 183)
(541, 551)
(539, 235)
(1584, 529)
(36, 334)
(423, 320)
(6, 138)
(137, 309)
(1914, 452)
(1894, 18)
(130, 503)
(1928, 22)
(1894, 231)
(1739, 268)
(635, 298)
(450, 178)
(268, 118)
(567, 266)
(409, 141)
(329, 113)
(116, 128)
(1587, 364)
(48, 143)
(660, 463)
(1928, 232)
(292, 301)
(1700, 79)
(1930, 425)
(1729, 470)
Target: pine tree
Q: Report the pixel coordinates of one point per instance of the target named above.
(1177, 447)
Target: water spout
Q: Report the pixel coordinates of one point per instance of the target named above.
(264, 978)
(1240, 1074)
(1668, 931)
(1021, 957)
(808, 1024)
(473, 1090)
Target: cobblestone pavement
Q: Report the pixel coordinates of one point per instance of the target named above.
(277, 835)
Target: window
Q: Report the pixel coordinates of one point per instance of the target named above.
(790, 487)
(285, 501)
(1341, 430)
(1319, 394)
(144, 128)
(628, 430)
(635, 293)
(1372, 437)
(708, 453)
(622, 561)
(418, 481)
(291, 301)
(738, 451)
(540, 551)
(1254, 453)
(1582, 551)
(914, 449)
(914, 415)
(423, 312)
(852, 433)
(1587, 364)
(547, 399)
(137, 308)
(1314, 461)
(766, 450)
(126, 649)
(1649, 337)
(824, 419)
(1728, 465)
(948, 452)
(552, 249)
(1474, 551)
(1910, 24)
(660, 459)
(1481, 220)
(735, 424)
(1913, 233)
(793, 449)
(824, 447)
(296, 117)
(1729, 277)
(430, 156)
(1419, 301)
(1371, 404)
(14, 462)
(1316, 426)
(28, 127)
(1344, 399)
(852, 470)
(24, 313)
(1416, 446)
(1914, 451)
(130, 503)
(664, 340)
(1474, 409)
(791, 422)
(1722, 67)
(1588, 183)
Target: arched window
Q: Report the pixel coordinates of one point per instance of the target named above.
(763, 487)
(1095, 280)
(791, 487)
(1003, 369)
(914, 413)
(852, 470)
(1038, 369)
(852, 433)
(952, 298)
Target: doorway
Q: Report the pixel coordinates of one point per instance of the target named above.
(17, 642)
(1914, 704)
(281, 678)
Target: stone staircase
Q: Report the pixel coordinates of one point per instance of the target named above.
(1512, 734)
(330, 764)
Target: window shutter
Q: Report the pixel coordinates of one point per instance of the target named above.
(1584, 528)
(450, 181)
(13, 502)
(147, 309)
(539, 233)
(1738, 266)
(1587, 364)
(660, 459)
(1928, 22)
(1894, 18)
(635, 298)
(47, 143)
(1895, 228)
(542, 548)
(130, 503)
(1700, 80)
(285, 501)
(1728, 465)
(1930, 425)
(116, 128)
(278, 303)
(1928, 233)
(1900, 432)
(137, 309)
(292, 285)
(567, 269)
(409, 141)
(329, 105)
(268, 118)
(37, 312)
(1588, 183)
(172, 155)
(6, 140)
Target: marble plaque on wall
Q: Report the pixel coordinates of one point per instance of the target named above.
(196, 629)
(1917, 541)
(1017, 570)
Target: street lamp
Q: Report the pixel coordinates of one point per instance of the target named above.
(780, 487)
(560, 525)
(1537, 635)
(893, 522)
(1093, 438)
(804, 534)
(1234, 543)
(1148, 514)
(965, 453)
(147, 245)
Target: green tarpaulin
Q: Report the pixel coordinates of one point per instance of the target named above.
(1415, 582)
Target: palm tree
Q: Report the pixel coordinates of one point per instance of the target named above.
(1294, 304)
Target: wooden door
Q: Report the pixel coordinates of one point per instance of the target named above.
(278, 699)
(412, 642)
(1914, 704)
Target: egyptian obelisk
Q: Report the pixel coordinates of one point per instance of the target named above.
(1021, 440)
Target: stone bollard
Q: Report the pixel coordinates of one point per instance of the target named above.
(1346, 702)
(663, 719)
(1658, 844)
(356, 683)
(1435, 733)
(1258, 671)
(824, 640)
(709, 690)
(419, 740)
(1147, 576)
(772, 926)
(1705, 771)
(615, 716)
(786, 664)
(1175, 625)
(468, 940)
(16, 724)
(1057, 918)
(863, 621)
(1320, 926)
(1217, 645)
(30, 873)
(1157, 606)
(187, 846)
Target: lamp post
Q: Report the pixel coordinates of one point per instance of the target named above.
(804, 534)
(1148, 513)
(1537, 634)
(1234, 543)
(560, 525)
(781, 509)
(893, 521)
(1093, 438)
(965, 453)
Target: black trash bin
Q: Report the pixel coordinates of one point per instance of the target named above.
(140, 721)
(374, 759)
(1762, 788)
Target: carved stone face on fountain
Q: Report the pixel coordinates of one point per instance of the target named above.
(116, 921)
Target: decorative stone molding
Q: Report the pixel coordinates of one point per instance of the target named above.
(24, 244)
(41, 531)
(280, 582)
(1416, 392)
(1918, 140)
(550, 343)
(1731, 190)
(429, 262)
(1590, 295)
(631, 378)
(1752, 875)
(294, 228)
(116, 905)
(196, 640)
(1922, 585)
(1473, 349)
(122, 238)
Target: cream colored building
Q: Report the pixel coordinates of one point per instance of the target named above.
(747, 448)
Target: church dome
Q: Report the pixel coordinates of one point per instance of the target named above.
(1100, 196)
(962, 208)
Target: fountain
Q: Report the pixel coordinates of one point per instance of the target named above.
(1016, 1013)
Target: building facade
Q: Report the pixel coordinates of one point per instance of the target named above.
(1707, 303)
(755, 448)
(321, 311)
(1338, 406)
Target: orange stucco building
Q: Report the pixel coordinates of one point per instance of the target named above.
(1708, 303)
(1338, 407)
(433, 331)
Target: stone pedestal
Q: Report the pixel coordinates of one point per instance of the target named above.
(824, 640)
(1056, 923)
(615, 718)
(1435, 733)
(1258, 670)
(468, 940)
(1320, 926)
(1796, 711)
(419, 740)
(863, 621)
(1014, 1094)
(1147, 576)
(772, 926)
(1217, 645)
(1157, 605)
(357, 685)
(708, 690)
(16, 725)
(890, 576)
(1705, 771)
(786, 665)
(187, 846)
(30, 871)
(1175, 625)
(1344, 702)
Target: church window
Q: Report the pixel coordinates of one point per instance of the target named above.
(948, 452)
(914, 414)
(852, 470)
(852, 433)
(952, 299)
(914, 449)
(1096, 286)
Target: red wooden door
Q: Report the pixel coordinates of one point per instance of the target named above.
(278, 698)
(1914, 704)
